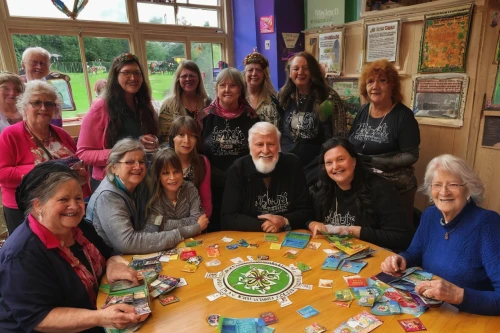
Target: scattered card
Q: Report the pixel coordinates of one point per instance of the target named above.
(174, 257)
(189, 268)
(165, 258)
(343, 304)
(303, 267)
(343, 295)
(291, 254)
(213, 252)
(262, 257)
(250, 258)
(329, 251)
(325, 283)
(213, 297)
(284, 301)
(243, 243)
(185, 255)
(275, 246)
(209, 275)
(182, 282)
(271, 238)
(168, 299)
(237, 260)
(253, 246)
(305, 286)
(214, 262)
(227, 239)
(232, 246)
(269, 318)
(314, 328)
(355, 281)
(313, 245)
(308, 311)
(412, 325)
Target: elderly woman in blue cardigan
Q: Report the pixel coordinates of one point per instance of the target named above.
(456, 240)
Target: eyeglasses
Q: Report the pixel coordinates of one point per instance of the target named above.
(452, 187)
(34, 63)
(38, 105)
(132, 163)
(188, 76)
(127, 75)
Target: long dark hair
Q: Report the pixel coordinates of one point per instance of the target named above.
(163, 158)
(185, 124)
(326, 188)
(115, 101)
(319, 87)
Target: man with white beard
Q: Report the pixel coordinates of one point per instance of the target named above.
(265, 191)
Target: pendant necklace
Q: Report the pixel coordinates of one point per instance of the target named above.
(447, 233)
(380, 124)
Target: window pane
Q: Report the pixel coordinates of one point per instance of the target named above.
(65, 58)
(163, 59)
(207, 56)
(100, 53)
(204, 2)
(109, 11)
(159, 14)
(197, 17)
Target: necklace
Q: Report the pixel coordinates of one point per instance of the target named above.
(35, 137)
(368, 126)
(447, 233)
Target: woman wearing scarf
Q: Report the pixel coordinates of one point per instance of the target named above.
(51, 266)
(224, 132)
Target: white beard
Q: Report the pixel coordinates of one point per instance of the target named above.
(264, 166)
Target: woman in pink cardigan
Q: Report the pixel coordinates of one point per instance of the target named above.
(33, 141)
(124, 111)
(184, 137)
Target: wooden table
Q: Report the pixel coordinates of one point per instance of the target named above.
(189, 315)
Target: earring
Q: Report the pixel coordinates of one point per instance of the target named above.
(40, 215)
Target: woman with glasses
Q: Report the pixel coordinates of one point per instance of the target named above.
(11, 87)
(385, 132)
(456, 240)
(187, 98)
(350, 201)
(261, 94)
(125, 110)
(118, 206)
(33, 141)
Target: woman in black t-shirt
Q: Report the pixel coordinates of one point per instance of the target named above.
(385, 132)
(350, 201)
(224, 132)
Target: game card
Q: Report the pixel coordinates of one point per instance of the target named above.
(269, 318)
(213, 252)
(271, 238)
(412, 325)
(291, 254)
(262, 257)
(232, 246)
(303, 267)
(305, 286)
(189, 268)
(343, 295)
(250, 258)
(275, 246)
(313, 245)
(213, 297)
(174, 257)
(212, 275)
(243, 243)
(182, 283)
(214, 262)
(284, 301)
(308, 311)
(237, 260)
(185, 255)
(325, 283)
(343, 304)
(227, 239)
(168, 299)
(315, 328)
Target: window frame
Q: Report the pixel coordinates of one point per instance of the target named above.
(135, 32)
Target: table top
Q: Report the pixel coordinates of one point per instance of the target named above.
(189, 315)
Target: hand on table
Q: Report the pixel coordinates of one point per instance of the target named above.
(121, 271)
(441, 290)
(316, 227)
(393, 264)
(118, 316)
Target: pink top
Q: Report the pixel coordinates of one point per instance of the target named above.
(205, 191)
(17, 159)
(91, 142)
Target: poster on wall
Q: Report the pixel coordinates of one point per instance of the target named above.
(322, 13)
(331, 47)
(494, 103)
(347, 88)
(491, 132)
(382, 41)
(267, 24)
(445, 39)
(439, 99)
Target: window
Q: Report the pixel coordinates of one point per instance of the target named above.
(163, 59)
(207, 57)
(179, 14)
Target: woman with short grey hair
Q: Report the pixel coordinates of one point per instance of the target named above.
(456, 240)
(224, 132)
(10, 88)
(118, 206)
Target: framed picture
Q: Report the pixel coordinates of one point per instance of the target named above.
(439, 99)
(491, 132)
(61, 83)
(331, 51)
(382, 41)
(497, 51)
(347, 88)
(267, 24)
(445, 40)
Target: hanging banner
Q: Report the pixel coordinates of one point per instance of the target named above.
(322, 13)
(290, 39)
(382, 40)
(330, 52)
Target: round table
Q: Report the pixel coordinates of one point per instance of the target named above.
(189, 315)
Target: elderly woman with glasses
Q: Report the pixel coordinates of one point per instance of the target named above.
(118, 207)
(11, 87)
(125, 110)
(456, 240)
(33, 141)
(188, 97)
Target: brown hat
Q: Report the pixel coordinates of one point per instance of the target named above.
(256, 58)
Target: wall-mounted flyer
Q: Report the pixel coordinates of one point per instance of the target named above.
(331, 49)
(382, 41)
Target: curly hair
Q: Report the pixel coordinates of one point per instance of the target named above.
(381, 68)
(319, 86)
(115, 101)
(326, 189)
